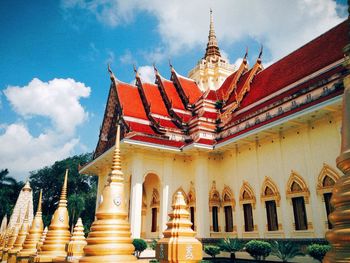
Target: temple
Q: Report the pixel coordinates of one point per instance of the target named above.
(251, 149)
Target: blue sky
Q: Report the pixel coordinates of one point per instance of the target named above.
(53, 73)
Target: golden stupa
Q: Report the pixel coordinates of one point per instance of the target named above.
(339, 235)
(42, 239)
(58, 235)
(11, 240)
(179, 243)
(75, 248)
(110, 237)
(3, 228)
(12, 253)
(33, 237)
(4, 241)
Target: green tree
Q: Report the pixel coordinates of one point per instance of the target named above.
(318, 251)
(231, 245)
(285, 250)
(212, 250)
(81, 189)
(140, 245)
(9, 191)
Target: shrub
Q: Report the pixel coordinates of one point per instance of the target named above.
(318, 251)
(231, 245)
(212, 250)
(285, 250)
(259, 250)
(153, 244)
(140, 245)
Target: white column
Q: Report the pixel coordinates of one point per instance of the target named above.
(202, 196)
(136, 195)
(167, 175)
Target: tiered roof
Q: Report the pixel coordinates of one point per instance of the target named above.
(175, 113)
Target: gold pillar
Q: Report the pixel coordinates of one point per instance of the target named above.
(77, 243)
(20, 239)
(12, 239)
(110, 237)
(339, 235)
(42, 239)
(179, 243)
(58, 235)
(33, 237)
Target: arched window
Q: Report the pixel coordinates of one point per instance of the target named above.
(271, 196)
(228, 203)
(247, 200)
(192, 204)
(325, 182)
(299, 194)
(214, 204)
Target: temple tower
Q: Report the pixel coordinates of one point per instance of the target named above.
(58, 235)
(212, 70)
(33, 237)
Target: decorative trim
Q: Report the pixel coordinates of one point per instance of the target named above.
(274, 195)
(326, 171)
(155, 199)
(303, 189)
(192, 196)
(228, 197)
(214, 196)
(180, 189)
(250, 197)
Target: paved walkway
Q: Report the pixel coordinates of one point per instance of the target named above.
(150, 254)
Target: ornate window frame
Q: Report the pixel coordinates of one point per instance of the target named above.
(304, 190)
(246, 187)
(326, 171)
(214, 201)
(180, 189)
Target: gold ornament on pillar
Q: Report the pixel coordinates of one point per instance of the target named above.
(12, 239)
(20, 239)
(109, 239)
(33, 237)
(58, 235)
(42, 239)
(179, 243)
(77, 243)
(339, 235)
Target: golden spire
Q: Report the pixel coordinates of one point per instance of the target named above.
(33, 237)
(109, 239)
(58, 235)
(212, 45)
(42, 239)
(77, 243)
(27, 187)
(3, 228)
(179, 243)
(339, 235)
(11, 239)
(20, 238)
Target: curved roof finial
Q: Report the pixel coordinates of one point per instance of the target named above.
(135, 70)
(261, 51)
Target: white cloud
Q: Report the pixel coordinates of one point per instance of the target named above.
(147, 74)
(280, 25)
(56, 100)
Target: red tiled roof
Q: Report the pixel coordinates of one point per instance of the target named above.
(172, 94)
(166, 123)
(190, 88)
(140, 127)
(225, 86)
(130, 101)
(154, 99)
(210, 115)
(240, 85)
(306, 60)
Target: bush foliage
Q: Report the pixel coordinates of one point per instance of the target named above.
(212, 250)
(259, 250)
(318, 251)
(140, 245)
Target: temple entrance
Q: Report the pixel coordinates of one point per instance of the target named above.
(150, 206)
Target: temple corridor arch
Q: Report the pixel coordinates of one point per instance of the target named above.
(150, 206)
